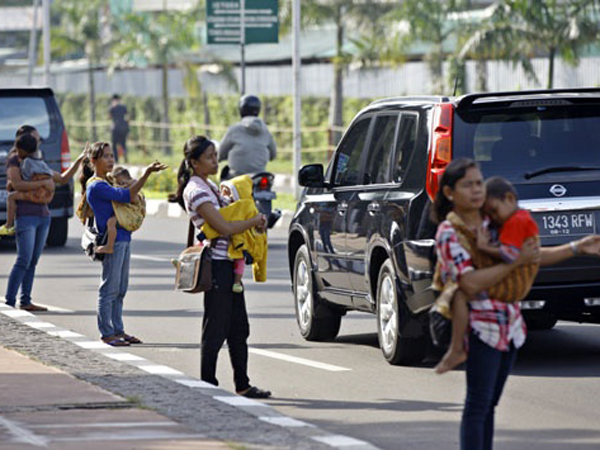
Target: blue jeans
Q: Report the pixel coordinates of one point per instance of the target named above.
(487, 371)
(31, 234)
(115, 280)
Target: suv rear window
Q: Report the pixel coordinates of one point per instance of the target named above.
(17, 111)
(513, 141)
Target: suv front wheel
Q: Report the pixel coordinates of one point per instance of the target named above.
(395, 348)
(316, 321)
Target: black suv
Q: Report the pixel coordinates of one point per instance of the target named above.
(361, 238)
(38, 107)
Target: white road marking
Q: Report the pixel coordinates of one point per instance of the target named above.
(108, 425)
(40, 325)
(151, 258)
(65, 334)
(285, 422)
(23, 435)
(296, 360)
(336, 440)
(238, 400)
(130, 436)
(160, 370)
(16, 313)
(124, 356)
(92, 344)
(197, 384)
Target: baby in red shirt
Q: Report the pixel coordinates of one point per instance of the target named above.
(516, 226)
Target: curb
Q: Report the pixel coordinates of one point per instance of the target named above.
(202, 406)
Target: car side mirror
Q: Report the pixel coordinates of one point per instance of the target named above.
(311, 175)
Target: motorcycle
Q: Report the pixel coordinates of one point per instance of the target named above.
(262, 191)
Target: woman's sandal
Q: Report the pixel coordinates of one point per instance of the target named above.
(115, 341)
(254, 392)
(130, 339)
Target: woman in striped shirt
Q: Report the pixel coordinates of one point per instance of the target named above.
(225, 317)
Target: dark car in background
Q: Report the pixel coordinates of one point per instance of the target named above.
(38, 107)
(361, 237)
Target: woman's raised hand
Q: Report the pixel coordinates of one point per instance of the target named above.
(589, 245)
(156, 166)
(530, 253)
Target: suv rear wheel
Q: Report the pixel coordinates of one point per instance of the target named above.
(316, 321)
(395, 348)
(59, 229)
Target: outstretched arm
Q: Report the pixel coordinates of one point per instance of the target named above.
(589, 245)
(134, 189)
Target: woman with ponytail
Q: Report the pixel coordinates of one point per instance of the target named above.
(225, 317)
(99, 161)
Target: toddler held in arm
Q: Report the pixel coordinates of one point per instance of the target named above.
(124, 213)
(516, 226)
(32, 169)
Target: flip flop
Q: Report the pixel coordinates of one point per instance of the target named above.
(129, 338)
(115, 342)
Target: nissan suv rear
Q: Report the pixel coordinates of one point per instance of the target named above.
(361, 238)
(38, 107)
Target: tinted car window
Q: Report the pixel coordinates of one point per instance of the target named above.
(407, 138)
(347, 167)
(17, 111)
(511, 143)
(381, 149)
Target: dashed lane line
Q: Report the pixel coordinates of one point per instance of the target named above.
(296, 360)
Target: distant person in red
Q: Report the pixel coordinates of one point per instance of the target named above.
(120, 128)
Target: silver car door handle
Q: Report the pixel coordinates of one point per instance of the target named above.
(374, 208)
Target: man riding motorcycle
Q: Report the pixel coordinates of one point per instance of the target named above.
(248, 145)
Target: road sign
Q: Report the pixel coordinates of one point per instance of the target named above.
(223, 21)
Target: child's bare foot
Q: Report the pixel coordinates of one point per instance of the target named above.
(105, 249)
(450, 360)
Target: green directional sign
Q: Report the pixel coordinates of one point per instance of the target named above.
(261, 21)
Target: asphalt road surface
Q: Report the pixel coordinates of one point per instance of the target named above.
(345, 386)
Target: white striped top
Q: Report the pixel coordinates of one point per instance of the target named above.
(195, 194)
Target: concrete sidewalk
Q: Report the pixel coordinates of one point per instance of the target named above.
(41, 406)
(62, 390)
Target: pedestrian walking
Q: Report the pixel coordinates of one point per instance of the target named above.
(32, 219)
(225, 316)
(98, 163)
(120, 128)
(496, 328)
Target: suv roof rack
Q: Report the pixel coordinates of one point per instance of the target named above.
(421, 98)
(467, 100)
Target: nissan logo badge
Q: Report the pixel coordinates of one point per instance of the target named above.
(558, 190)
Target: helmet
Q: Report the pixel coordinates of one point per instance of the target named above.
(249, 105)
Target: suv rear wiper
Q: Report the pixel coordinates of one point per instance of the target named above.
(530, 175)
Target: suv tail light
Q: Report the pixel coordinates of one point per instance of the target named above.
(65, 152)
(440, 153)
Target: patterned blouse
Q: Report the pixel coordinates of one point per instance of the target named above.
(496, 323)
(195, 194)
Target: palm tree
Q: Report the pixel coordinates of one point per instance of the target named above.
(157, 39)
(523, 28)
(82, 32)
(360, 17)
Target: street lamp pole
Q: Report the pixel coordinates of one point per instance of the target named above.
(296, 67)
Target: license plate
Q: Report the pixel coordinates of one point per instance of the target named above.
(3, 196)
(555, 224)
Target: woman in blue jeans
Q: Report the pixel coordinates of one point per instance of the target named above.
(32, 220)
(115, 267)
(497, 329)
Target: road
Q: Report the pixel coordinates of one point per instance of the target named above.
(343, 386)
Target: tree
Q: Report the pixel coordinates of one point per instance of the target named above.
(362, 17)
(157, 39)
(82, 32)
(524, 28)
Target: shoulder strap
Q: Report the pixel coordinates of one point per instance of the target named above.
(190, 237)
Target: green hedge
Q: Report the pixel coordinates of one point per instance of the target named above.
(277, 112)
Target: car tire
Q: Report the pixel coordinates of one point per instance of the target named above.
(316, 321)
(396, 349)
(59, 229)
(541, 322)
